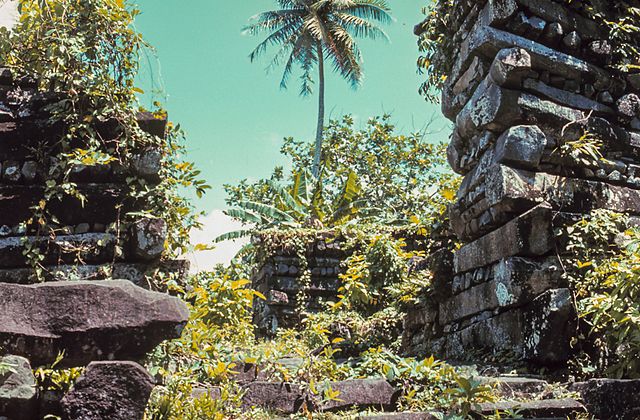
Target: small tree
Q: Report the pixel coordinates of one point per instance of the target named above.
(371, 174)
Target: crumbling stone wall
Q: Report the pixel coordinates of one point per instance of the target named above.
(108, 324)
(86, 231)
(285, 278)
(529, 78)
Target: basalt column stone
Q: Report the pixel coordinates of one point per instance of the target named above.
(58, 295)
(109, 390)
(529, 79)
(87, 229)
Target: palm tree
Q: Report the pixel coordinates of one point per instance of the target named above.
(310, 32)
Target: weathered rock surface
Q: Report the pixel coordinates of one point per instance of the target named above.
(109, 390)
(530, 235)
(148, 238)
(610, 398)
(91, 248)
(283, 398)
(87, 320)
(564, 408)
(17, 389)
(137, 273)
(362, 393)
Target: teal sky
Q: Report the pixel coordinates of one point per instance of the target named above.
(235, 114)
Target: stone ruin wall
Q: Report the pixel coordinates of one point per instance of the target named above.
(280, 280)
(529, 77)
(108, 324)
(86, 232)
(280, 275)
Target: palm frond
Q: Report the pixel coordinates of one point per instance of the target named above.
(272, 20)
(370, 9)
(282, 36)
(230, 236)
(243, 215)
(301, 53)
(360, 27)
(346, 56)
(266, 211)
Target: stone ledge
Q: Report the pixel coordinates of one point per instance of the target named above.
(87, 320)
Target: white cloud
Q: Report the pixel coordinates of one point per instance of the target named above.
(8, 13)
(213, 225)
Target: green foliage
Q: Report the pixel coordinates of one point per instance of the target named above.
(355, 338)
(586, 150)
(307, 31)
(379, 275)
(53, 378)
(366, 175)
(85, 57)
(437, 45)
(604, 270)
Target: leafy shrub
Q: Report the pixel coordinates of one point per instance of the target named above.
(366, 175)
(85, 58)
(604, 272)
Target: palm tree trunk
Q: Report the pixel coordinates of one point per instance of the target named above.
(318, 145)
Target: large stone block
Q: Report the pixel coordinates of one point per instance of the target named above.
(539, 332)
(568, 99)
(91, 248)
(138, 273)
(510, 67)
(362, 393)
(148, 237)
(485, 41)
(17, 201)
(610, 398)
(549, 324)
(18, 394)
(515, 281)
(530, 235)
(282, 398)
(109, 390)
(111, 319)
(508, 192)
(566, 408)
(490, 108)
(521, 147)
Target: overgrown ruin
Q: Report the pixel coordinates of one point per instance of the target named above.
(527, 83)
(60, 304)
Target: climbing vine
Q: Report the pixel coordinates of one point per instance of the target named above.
(603, 267)
(83, 56)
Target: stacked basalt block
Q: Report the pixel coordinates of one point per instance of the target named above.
(529, 78)
(86, 232)
(280, 280)
(89, 310)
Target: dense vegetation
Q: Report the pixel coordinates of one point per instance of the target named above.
(370, 184)
(368, 175)
(85, 57)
